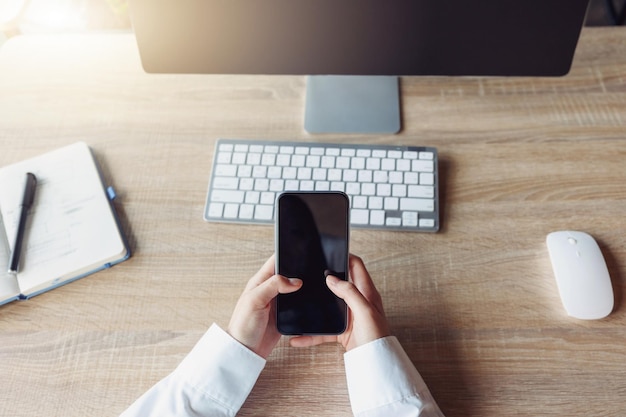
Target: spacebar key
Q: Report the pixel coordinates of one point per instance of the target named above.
(227, 196)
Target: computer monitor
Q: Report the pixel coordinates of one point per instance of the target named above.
(355, 50)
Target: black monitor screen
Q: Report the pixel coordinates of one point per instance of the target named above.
(358, 37)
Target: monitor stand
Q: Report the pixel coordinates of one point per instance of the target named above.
(352, 104)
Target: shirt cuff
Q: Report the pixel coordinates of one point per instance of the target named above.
(220, 368)
(382, 378)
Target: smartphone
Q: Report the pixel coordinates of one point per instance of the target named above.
(312, 235)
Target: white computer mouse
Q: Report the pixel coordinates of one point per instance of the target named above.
(581, 274)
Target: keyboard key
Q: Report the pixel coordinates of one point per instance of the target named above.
(231, 211)
(383, 190)
(307, 186)
(357, 163)
(334, 175)
(292, 185)
(245, 211)
(411, 178)
(256, 149)
(227, 196)
(375, 202)
(301, 150)
(274, 172)
(277, 185)
(368, 189)
(427, 223)
(349, 175)
(226, 183)
(388, 164)
(409, 218)
(222, 170)
(264, 212)
(403, 165)
(268, 159)
(298, 160)
(373, 164)
(290, 173)
(393, 221)
(396, 177)
(417, 204)
(215, 210)
(268, 197)
(359, 216)
(342, 162)
(391, 203)
(252, 197)
(243, 171)
(224, 158)
(283, 160)
(253, 159)
(421, 191)
(239, 158)
(304, 173)
(377, 217)
(313, 161)
(322, 186)
(259, 171)
(319, 174)
(353, 188)
(328, 162)
(246, 184)
(427, 179)
(398, 190)
(423, 166)
(338, 186)
(359, 202)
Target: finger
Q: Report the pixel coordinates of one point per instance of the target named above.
(307, 341)
(348, 292)
(364, 283)
(268, 290)
(263, 274)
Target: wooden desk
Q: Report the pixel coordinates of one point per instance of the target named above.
(475, 306)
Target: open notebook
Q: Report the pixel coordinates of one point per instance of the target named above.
(72, 229)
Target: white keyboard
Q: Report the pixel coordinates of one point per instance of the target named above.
(390, 187)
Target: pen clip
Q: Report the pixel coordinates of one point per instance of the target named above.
(29, 190)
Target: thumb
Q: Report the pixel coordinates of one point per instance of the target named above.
(277, 284)
(348, 293)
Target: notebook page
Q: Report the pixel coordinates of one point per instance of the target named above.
(71, 228)
(8, 283)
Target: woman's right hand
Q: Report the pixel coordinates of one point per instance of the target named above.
(366, 317)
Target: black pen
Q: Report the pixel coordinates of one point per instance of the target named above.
(27, 201)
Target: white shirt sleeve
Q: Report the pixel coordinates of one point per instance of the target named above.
(382, 381)
(214, 380)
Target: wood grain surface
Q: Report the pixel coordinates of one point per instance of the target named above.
(475, 306)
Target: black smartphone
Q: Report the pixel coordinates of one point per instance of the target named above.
(312, 235)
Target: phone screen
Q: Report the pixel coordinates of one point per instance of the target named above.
(311, 242)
